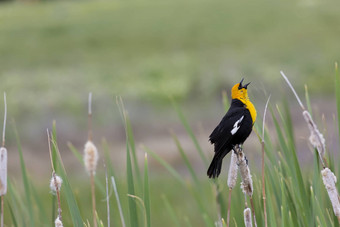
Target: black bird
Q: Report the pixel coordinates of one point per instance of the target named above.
(234, 128)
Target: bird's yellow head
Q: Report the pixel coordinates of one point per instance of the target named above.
(239, 92)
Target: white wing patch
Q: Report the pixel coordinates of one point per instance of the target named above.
(236, 126)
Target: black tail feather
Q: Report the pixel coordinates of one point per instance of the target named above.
(215, 167)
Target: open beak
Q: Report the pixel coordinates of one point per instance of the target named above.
(245, 86)
(240, 85)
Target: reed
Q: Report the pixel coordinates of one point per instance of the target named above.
(3, 165)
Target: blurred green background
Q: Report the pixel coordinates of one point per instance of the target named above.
(53, 53)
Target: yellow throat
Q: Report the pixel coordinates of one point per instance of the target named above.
(242, 95)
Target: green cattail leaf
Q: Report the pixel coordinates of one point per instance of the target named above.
(337, 92)
(132, 145)
(147, 192)
(171, 212)
(130, 148)
(20, 213)
(190, 132)
(12, 215)
(66, 191)
(186, 161)
(26, 181)
(129, 139)
(166, 165)
(309, 106)
(76, 153)
(131, 190)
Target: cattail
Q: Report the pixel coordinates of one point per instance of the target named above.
(58, 222)
(316, 138)
(247, 182)
(3, 171)
(247, 217)
(233, 167)
(232, 178)
(55, 183)
(329, 180)
(90, 157)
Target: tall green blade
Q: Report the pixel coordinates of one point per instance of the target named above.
(166, 165)
(171, 212)
(66, 189)
(130, 148)
(25, 179)
(190, 132)
(337, 92)
(186, 161)
(131, 190)
(147, 192)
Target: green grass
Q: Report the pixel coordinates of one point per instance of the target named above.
(295, 197)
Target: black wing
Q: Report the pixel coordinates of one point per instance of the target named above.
(222, 136)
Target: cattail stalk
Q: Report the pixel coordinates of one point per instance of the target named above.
(263, 178)
(247, 182)
(318, 142)
(232, 178)
(55, 184)
(58, 222)
(107, 196)
(91, 159)
(3, 165)
(247, 217)
(329, 180)
(316, 138)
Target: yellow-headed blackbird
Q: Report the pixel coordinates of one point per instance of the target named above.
(233, 129)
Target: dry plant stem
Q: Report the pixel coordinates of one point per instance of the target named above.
(218, 204)
(4, 125)
(107, 197)
(292, 88)
(93, 200)
(229, 203)
(54, 176)
(3, 145)
(58, 195)
(253, 210)
(264, 188)
(90, 118)
(232, 178)
(2, 212)
(263, 178)
(316, 138)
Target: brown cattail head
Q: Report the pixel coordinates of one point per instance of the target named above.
(316, 138)
(58, 222)
(3, 171)
(90, 157)
(329, 180)
(247, 182)
(247, 217)
(55, 183)
(232, 174)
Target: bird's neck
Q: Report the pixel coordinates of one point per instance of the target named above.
(250, 106)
